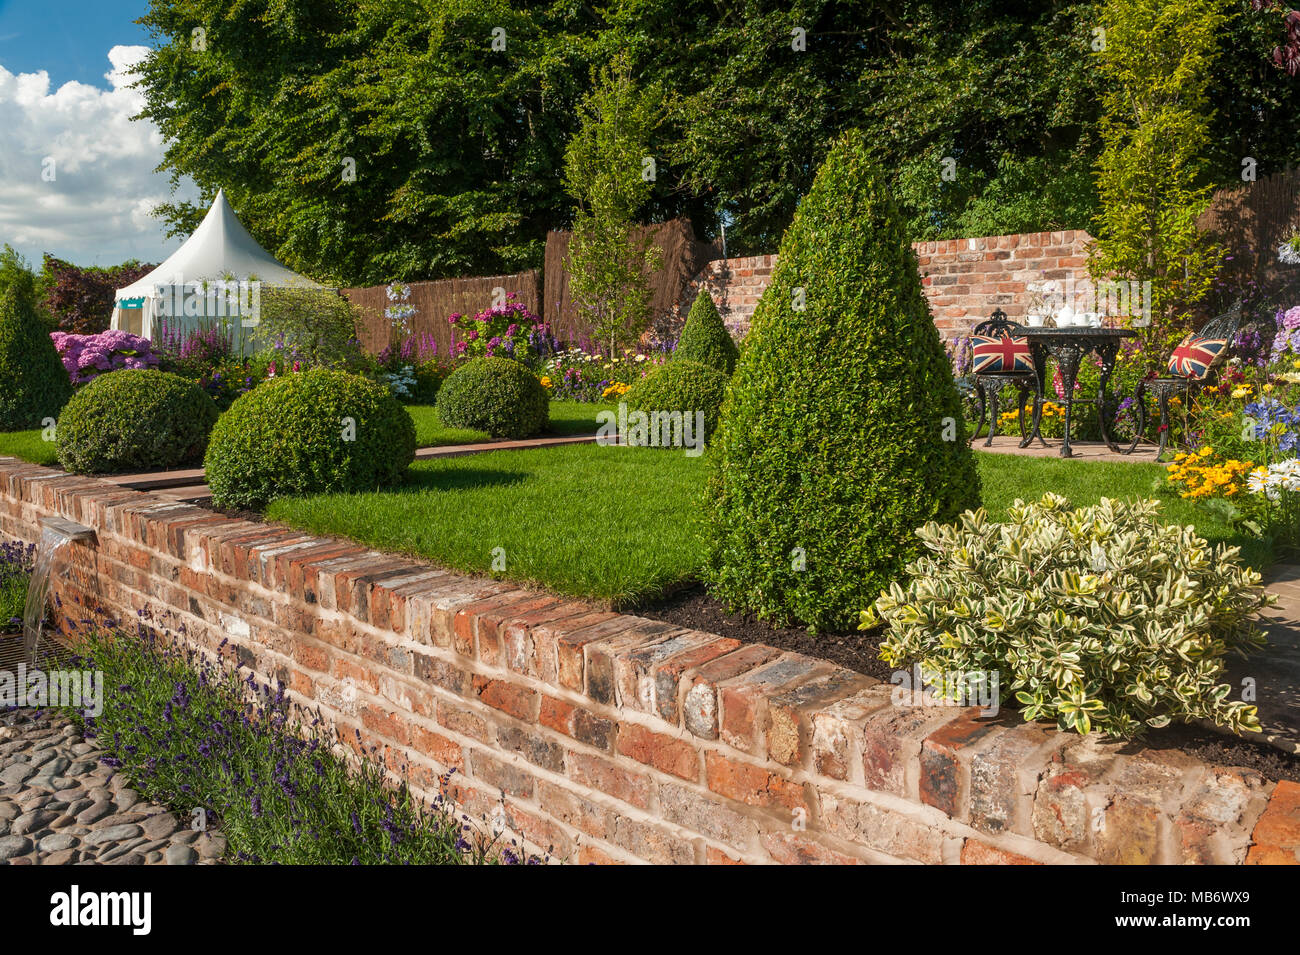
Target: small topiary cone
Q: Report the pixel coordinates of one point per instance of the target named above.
(705, 338)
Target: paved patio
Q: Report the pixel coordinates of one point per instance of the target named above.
(1083, 450)
(1274, 672)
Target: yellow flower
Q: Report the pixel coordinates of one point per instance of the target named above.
(1241, 391)
(546, 381)
(1268, 387)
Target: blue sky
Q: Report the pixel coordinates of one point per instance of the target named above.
(69, 39)
(77, 173)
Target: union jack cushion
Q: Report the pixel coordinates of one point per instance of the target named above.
(1196, 356)
(1000, 354)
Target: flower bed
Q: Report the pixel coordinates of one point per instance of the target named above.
(88, 356)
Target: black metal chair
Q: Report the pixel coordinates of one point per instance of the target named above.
(1224, 326)
(989, 384)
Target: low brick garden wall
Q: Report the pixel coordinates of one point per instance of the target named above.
(964, 280)
(613, 738)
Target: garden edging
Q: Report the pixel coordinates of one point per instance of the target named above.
(614, 738)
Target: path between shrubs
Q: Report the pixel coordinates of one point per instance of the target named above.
(1273, 674)
(60, 805)
(187, 485)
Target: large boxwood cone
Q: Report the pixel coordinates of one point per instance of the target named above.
(842, 431)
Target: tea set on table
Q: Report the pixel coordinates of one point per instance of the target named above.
(1065, 317)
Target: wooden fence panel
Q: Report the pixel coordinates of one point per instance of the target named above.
(683, 258)
(1252, 220)
(434, 301)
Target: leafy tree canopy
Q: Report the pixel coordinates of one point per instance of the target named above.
(454, 116)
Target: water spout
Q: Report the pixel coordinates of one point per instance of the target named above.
(56, 534)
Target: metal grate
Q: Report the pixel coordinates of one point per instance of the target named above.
(51, 653)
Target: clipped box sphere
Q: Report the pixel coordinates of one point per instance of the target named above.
(311, 433)
(496, 395)
(134, 420)
(681, 385)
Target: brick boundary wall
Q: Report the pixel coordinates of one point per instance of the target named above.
(963, 279)
(614, 738)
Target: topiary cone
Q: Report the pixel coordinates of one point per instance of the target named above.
(34, 385)
(705, 338)
(842, 432)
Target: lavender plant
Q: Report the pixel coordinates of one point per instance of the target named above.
(16, 562)
(276, 779)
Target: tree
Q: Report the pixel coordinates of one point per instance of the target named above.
(15, 274)
(366, 140)
(1157, 57)
(81, 299)
(315, 327)
(606, 172)
(990, 127)
(842, 431)
(34, 385)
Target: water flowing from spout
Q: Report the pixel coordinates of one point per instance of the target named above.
(56, 535)
(38, 590)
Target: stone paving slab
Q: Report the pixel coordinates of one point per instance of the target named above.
(188, 486)
(152, 480)
(1083, 450)
(59, 805)
(188, 494)
(1275, 670)
(456, 450)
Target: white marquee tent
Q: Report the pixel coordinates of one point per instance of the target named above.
(215, 277)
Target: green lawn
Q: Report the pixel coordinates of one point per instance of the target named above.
(618, 524)
(567, 417)
(610, 523)
(27, 445)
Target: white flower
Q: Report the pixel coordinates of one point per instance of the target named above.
(1288, 473)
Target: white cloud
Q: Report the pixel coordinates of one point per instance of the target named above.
(96, 209)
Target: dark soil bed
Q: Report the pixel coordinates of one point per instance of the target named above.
(1223, 750)
(857, 650)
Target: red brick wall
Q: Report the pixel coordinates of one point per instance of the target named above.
(964, 279)
(736, 286)
(613, 738)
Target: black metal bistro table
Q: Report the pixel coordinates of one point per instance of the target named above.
(1068, 346)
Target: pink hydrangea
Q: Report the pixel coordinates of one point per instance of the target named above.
(85, 356)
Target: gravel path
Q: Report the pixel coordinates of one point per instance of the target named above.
(59, 805)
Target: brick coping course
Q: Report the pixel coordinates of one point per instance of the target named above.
(614, 738)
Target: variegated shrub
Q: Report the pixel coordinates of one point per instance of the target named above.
(1094, 616)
